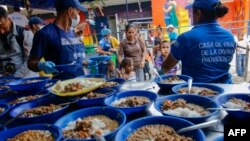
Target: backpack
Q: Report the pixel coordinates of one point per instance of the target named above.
(20, 40)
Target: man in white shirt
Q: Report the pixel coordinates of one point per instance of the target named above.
(18, 18)
(242, 43)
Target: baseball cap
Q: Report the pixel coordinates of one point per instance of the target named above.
(170, 26)
(205, 4)
(35, 20)
(62, 5)
(105, 31)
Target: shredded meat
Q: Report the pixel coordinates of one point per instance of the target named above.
(157, 133)
(33, 135)
(41, 110)
(109, 84)
(25, 99)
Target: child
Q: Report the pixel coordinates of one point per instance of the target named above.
(241, 54)
(164, 49)
(127, 69)
(112, 71)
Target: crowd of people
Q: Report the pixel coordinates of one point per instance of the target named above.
(35, 47)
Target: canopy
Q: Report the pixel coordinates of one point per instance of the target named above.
(40, 4)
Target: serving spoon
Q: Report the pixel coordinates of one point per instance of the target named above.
(155, 71)
(190, 82)
(203, 125)
(226, 109)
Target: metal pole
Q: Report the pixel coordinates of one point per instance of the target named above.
(127, 9)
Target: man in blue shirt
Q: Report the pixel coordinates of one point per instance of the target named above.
(57, 42)
(206, 50)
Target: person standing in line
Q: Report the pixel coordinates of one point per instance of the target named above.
(18, 18)
(241, 54)
(134, 48)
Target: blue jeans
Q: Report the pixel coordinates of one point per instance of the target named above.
(240, 64)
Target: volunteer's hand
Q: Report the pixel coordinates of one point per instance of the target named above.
(47, 67)
(109, 53)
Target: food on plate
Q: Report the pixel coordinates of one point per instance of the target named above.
(174, 80)
(75, 86)
(2, 110)
(33, 135)
(25, 99)
(31, 81)
(109, 84)
(198, 90)
(156, 132)
(131, 101)
(88, 127)
(236, 103)
(41, 110)
(93, 95)
(4, 87)
(180, 107)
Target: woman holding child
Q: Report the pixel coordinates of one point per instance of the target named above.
(134, 48)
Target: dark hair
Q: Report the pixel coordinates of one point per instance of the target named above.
(16, 9)
(59, 7)
(110, 63)
(3, 13)
(219, 11)
(159, 26)
(163, 42)
(126, 62)
(130, 26)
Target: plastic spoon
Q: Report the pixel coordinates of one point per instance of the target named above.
(199, 126)
(226, 109)
(190, 82)
(155, 71)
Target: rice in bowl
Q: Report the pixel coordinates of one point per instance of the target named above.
(236, 103)
(180, 107)
(86, 128)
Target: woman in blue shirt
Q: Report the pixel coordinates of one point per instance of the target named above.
(207, 49)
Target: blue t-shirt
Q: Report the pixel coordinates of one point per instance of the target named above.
(205, 53)
(173, 36)
(105, 44)
(58, 46)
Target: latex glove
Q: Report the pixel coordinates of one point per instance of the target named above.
(91, 62)
(47, 67)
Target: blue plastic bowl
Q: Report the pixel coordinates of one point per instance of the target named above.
(216, 88)
(47, 118)
(6, 109)
(221, 138)
(131, 110)
(109, 112)
(195, 99)
(67, 67)
(120, 82)
(96, 101)
(9, 99)
(18, 85)
(222, 99)
(56, 132)
(7, 79)
(174, 122)
(169, 86)
(93, 76)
